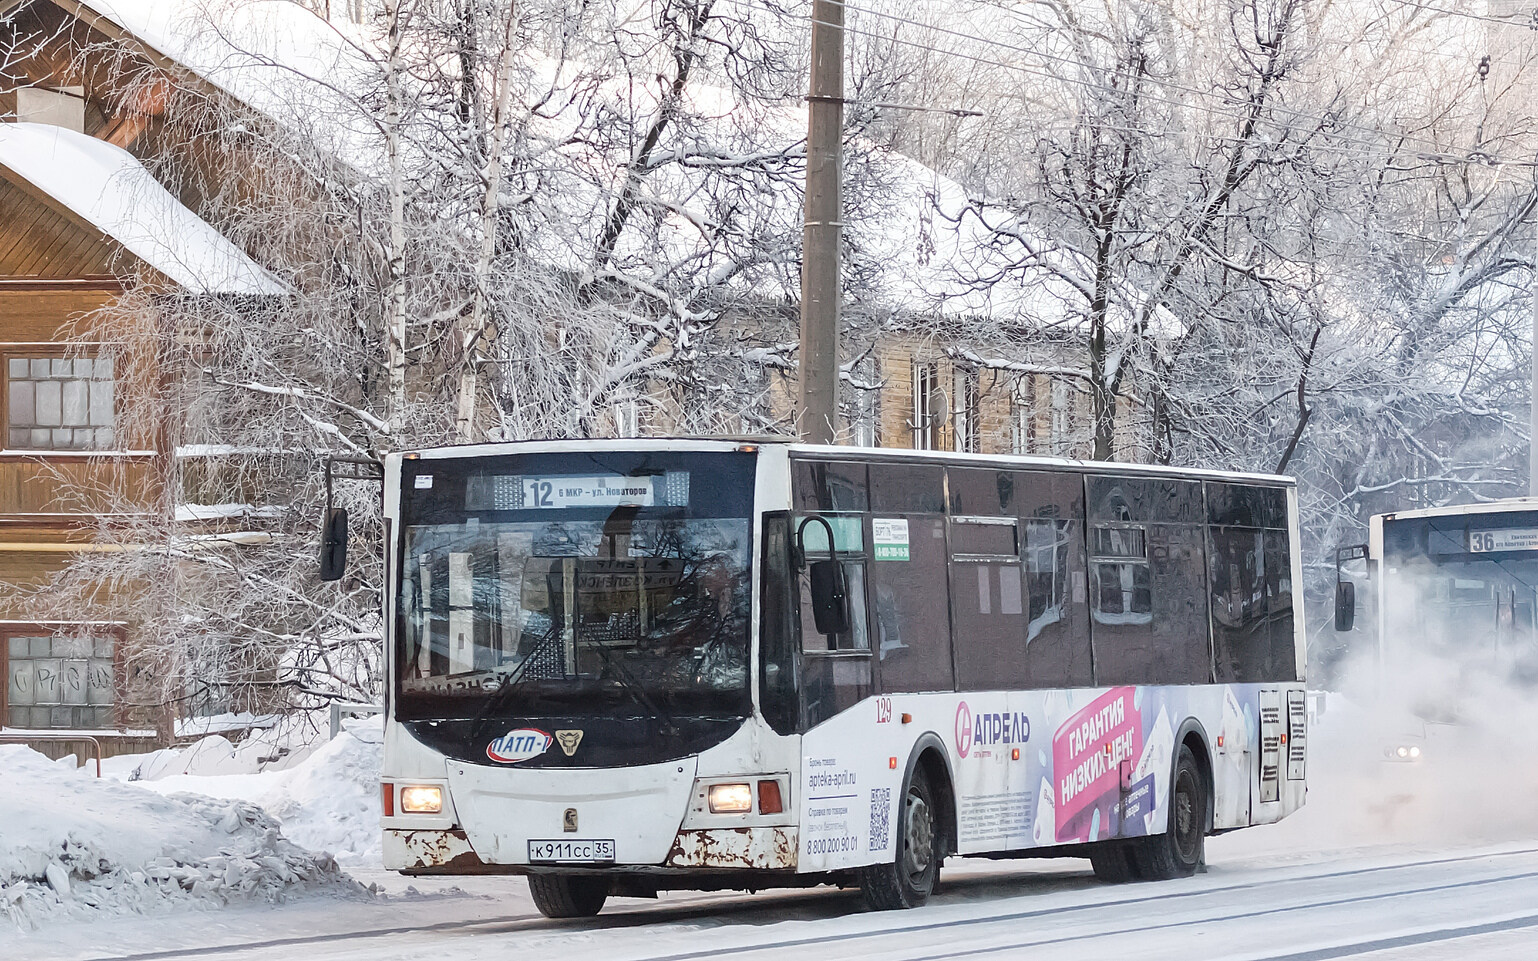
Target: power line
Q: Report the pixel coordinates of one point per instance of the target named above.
(1436, 154)
(1512, 21)
(987, 41)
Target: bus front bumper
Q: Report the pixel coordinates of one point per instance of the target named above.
(512, 820)
(748, 848)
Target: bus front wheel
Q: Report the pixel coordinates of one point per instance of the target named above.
(908, 880)
(1180, 850)
(568, 895)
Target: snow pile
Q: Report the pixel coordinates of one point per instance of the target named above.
(329, 801)
(75, 846)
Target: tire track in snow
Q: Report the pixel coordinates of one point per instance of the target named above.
(1319, 954)
(736, 904)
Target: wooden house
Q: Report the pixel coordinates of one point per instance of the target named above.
(82, 222)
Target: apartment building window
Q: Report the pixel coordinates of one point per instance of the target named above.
(1060, 434)
(862, 402)
(866, 416)
(627, 417)
(59, 404)
(56, 681)
(1022, 410)
(967, 400)
(928, 409)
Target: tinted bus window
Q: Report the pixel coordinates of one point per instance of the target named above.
(1057, 644)
(1238, 505)
(1241, 637)
(906, 488)
(987, 603)
(1284, 660)
(983, 491)
(829, 486)
(1144, 500)
(912, 623)
(1025, 624)
(1148, 581)
(831, 685)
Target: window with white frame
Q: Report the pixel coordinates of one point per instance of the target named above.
(928, 409)
(1061, 432)
(863, 403)
(59, 404)
(967, 399)
(1022, 414)
(627, 417)
(58, 681)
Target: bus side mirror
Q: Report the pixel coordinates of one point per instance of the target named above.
(1345, 606)
(333, 545)
(830, 597)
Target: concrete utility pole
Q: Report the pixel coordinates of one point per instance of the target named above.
(821, 235)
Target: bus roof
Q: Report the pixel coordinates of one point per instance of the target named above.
(1509, 504)
(733, 442)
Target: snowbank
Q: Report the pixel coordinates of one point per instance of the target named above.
(72, 845)
(328, 801)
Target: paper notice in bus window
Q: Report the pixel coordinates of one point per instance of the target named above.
(889, 538)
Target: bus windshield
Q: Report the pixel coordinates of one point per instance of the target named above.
(569, 587)
(1468, 608)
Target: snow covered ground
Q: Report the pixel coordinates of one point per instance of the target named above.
(1429, 861)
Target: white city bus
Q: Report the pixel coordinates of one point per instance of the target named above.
(625, 666)
(1450, 595)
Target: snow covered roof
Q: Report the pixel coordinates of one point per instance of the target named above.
(274, 56)
(929, 252)
(109, 189)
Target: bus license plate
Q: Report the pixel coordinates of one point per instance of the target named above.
(571, 851)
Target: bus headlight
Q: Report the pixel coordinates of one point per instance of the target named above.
(421, 799)
(731, 799)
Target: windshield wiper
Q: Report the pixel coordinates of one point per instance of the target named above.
(510, 683)
(636, 690)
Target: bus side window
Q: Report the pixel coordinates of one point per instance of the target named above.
(849, 534)
(912, 616)
(1250, 584)
(987, 601)
(1148, 581)
(1241, 639)
(1284, 661)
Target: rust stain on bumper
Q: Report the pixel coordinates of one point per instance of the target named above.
(768, 848)
(433, 851)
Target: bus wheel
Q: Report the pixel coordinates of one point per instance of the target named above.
(568, 895)
(1180, 850)
(908, 880)
(1112, 862)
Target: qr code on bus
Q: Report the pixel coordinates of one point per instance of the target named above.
(880, 818)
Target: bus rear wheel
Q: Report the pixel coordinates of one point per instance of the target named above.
(568, 895)
(909, 879)
(1180, 850)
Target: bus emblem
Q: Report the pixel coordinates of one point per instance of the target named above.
(963, 729)
(519, 745)
(568, 740)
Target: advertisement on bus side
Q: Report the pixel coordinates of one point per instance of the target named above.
(1031, 769)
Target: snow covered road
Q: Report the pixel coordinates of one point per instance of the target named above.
(1378, 904)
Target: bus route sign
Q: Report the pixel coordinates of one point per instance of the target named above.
(1505, 539)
